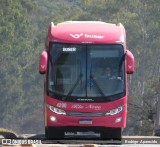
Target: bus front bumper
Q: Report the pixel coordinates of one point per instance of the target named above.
(63, 120)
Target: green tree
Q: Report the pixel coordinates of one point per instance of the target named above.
(16, 36)
(23, 27)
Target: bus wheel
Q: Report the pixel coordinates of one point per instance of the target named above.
(111, 133)
(54, 133)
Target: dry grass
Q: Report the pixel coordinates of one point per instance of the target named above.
(7, 133)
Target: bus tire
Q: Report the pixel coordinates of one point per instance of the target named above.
(54, 133)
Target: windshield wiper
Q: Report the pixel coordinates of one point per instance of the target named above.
(75, 83)
(96, 84)
(74, 86)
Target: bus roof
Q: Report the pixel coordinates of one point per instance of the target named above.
(87, 32)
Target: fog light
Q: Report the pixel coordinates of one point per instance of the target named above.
(118, 119)
(52, 118)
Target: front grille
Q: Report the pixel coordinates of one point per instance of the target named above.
(86, 114)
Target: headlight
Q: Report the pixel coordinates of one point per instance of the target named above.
(115, 111)
(56, 110)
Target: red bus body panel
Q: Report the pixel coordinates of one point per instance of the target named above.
(91, 32)
(78, 33)
(100, 121)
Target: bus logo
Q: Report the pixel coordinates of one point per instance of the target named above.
(76, 36)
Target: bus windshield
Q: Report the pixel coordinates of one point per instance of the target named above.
(80, 72)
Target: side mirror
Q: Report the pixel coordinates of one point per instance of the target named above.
(130, 62)
(43, 62)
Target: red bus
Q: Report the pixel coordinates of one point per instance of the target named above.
(86, 64)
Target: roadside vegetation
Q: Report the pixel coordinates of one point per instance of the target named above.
(23, 27)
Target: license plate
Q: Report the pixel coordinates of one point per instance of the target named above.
(85, 122)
